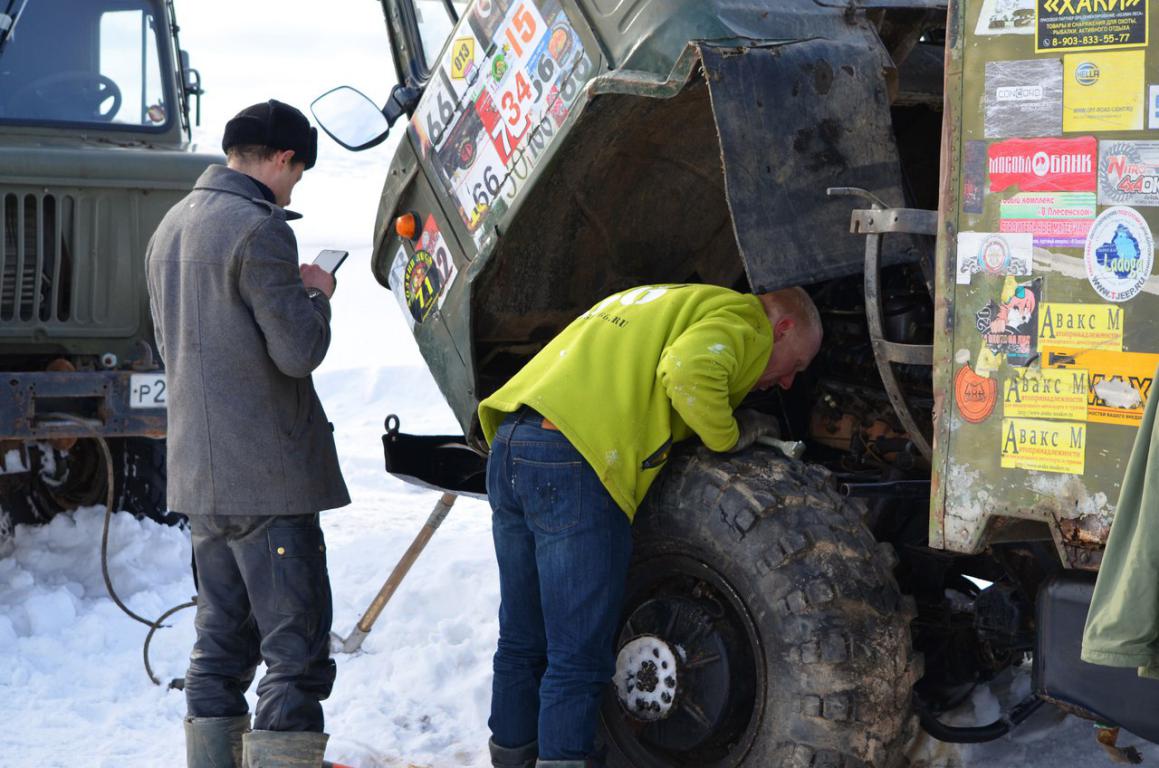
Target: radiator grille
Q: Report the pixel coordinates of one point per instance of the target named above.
(35, 263)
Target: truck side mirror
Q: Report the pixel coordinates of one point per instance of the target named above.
(350, 118)
(191, 83)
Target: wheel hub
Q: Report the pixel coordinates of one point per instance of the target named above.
(674, 672)
(647, 674)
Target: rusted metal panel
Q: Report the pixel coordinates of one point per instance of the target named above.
(48, 405)
(1047, 312)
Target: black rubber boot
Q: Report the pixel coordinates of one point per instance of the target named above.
(284, 749)
(517, 757)
(215, 742)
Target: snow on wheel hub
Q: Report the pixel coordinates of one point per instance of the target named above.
(646, 678)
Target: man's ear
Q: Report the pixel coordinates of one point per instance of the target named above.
(783, 326)
(285, 157)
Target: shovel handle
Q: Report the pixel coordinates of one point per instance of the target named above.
(438, 515)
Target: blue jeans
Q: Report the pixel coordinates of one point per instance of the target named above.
(563, 547)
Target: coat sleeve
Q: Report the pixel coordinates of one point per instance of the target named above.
(296, 328)
(154, 309)
(699, 369)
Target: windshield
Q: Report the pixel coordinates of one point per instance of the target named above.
(435, 25)
(86, 61)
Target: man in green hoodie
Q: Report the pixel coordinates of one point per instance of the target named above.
(577, 438)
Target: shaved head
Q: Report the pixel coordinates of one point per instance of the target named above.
(797, 335)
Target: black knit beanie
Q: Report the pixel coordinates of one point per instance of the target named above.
(274, 125)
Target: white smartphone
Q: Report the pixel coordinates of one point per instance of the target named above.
(331, 260)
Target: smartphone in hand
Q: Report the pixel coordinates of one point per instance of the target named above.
(330, 260)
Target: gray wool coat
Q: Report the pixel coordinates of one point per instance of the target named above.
(240, 337)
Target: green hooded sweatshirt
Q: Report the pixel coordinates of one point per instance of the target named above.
(640, 371)
(1122, 628)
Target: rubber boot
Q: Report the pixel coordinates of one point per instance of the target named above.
(215, 742)
(518, 757)
(284, 749)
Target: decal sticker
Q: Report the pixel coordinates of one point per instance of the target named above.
(993, 253)
(974, 177)
(1055, 219)
(974, 394)
(463, 58)
(1153, 106)
(1023, 98)
(1129, 173)
(1009, 326)
(1087, 25)
(420, 280)
(421, 285)
(1043, 165)
(1044, 446)
(397, 277)
(1006, 17)
(1081, 326)
(1119, 254)
(1118, 382)
(507, 82)
(1046, 394)
(1103, 92)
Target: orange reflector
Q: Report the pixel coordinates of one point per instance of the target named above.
(407, 226)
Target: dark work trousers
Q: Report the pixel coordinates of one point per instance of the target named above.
(263, 593)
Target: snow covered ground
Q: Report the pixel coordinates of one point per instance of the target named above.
(73, 691)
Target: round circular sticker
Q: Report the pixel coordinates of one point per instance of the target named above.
(995, 254)
(1119, 253)
(421, 285)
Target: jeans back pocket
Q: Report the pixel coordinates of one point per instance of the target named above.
(549, 492)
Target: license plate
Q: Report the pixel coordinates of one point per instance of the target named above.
(147, 390)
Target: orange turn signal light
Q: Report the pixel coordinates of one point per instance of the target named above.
(407, 226)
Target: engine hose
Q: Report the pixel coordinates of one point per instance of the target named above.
(110, 492)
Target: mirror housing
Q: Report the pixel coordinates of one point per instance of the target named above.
(191, 82)
(350, 117)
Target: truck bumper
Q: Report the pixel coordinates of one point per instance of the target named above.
(70, 404)
(438, 462)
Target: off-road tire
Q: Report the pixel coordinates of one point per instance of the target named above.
(835, 664)
(140, 475)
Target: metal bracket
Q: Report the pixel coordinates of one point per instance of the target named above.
(874, 223)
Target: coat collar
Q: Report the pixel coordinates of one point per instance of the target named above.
(219, 178)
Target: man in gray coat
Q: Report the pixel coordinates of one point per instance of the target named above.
(252, 461)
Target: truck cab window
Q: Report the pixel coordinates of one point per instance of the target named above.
(435, 25)
(104, 67)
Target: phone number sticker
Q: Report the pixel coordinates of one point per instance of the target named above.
(1078, 25)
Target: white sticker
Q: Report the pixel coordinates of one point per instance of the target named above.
(397, 281)
(993, 253)
(1119, 253)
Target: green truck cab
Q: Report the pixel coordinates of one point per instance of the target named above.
(94, 149)
(965, 191)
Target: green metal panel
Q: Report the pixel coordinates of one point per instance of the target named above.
(1050, 314)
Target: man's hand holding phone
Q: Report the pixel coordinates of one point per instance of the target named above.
(314, 276)
(320, 274)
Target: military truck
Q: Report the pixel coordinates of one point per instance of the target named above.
(961, 188)
(95, 102)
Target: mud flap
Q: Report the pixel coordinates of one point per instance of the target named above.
(794, 119)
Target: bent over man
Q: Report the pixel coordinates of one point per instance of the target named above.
(252, 461)
(577, 437)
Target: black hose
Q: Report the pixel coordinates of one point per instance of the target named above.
(109, 503)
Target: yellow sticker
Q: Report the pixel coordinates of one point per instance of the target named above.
(1045, 446)
(1081, 326)
(988, 362)
(1103, 92)
(1051, 393)
(462, 57)
(1119, 382)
